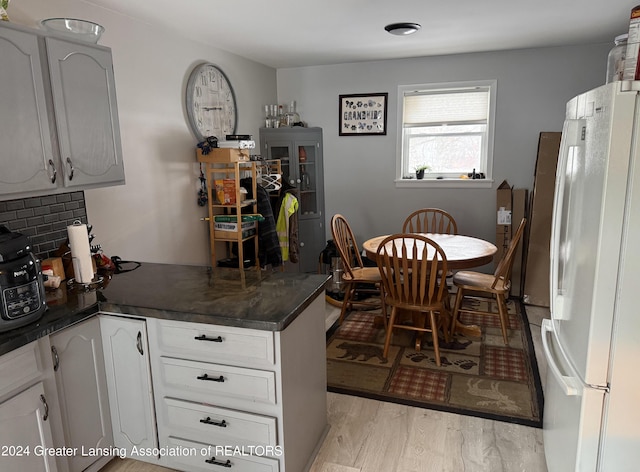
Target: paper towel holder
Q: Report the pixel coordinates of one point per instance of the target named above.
(94, 284)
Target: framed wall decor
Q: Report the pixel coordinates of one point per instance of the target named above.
(363, 114)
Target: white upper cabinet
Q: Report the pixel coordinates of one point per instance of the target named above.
(84, 100)
(27, 161)
(59, 116)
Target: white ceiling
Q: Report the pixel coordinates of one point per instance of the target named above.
(291, 33)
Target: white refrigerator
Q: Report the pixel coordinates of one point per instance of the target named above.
(592, 341)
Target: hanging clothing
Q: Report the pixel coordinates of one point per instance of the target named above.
(288, 208)
(294, 251)
(268, 245)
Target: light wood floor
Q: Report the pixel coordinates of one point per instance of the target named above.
(372, 436)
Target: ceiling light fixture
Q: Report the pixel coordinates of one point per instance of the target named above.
(402, 29)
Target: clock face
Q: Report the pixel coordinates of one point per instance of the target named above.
(211, 103)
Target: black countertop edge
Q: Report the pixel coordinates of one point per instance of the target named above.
(68, 306)
(222, 320)
(48, 324)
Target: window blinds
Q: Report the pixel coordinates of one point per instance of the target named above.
(463, 106)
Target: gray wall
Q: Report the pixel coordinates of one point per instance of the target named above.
(533, 86)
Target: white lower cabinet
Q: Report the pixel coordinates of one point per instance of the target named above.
(208, 379)
(220, 397)
(219, 425)
(30, 420)
(201, 457)
(25, 433)
(78, 363)
(244, 399)
(129, 385)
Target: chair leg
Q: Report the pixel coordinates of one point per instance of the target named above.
(383, 309)
(504, 316)
(444, 320)
(434, 336)
(456, 310)
(387, 339)
(348, 293)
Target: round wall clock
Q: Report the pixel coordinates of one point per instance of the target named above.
(211, 103)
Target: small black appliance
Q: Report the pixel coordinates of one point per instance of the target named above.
(22, 299)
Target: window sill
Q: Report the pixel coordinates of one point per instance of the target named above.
(444, 183)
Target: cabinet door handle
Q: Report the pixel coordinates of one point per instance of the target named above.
(70, 168)
(203, 337)
(212, 379)
(55, 172)
(46, 408)
(56, 359)
(207, 420)
(215, 462)
(139, 343)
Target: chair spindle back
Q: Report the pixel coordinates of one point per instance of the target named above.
(346, 243)
(430, 220)
(409, 265)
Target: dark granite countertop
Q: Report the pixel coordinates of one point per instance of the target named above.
(65, 307)
(267, 301)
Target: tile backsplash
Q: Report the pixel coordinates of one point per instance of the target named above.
(44, 219)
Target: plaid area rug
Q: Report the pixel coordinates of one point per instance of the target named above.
(477, 377)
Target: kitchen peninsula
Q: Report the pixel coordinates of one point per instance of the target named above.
(213, 359)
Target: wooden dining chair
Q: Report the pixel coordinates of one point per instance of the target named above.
(494, 286)
(356, 276)
(430, 220)
(409, 265)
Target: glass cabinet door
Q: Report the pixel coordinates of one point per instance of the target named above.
(299, 166)
(307, 178)
(284, 152)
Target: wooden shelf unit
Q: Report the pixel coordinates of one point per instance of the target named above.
(236, 167)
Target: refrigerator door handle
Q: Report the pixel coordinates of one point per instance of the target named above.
(573, 134)
(568, 384)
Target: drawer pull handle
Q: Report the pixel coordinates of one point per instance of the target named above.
(56, 359)
(213, 379)
(208, 420)
(71, 169)
(55, 173)
(46, 408)
(215, 462)
(205, 338)
(139, 343)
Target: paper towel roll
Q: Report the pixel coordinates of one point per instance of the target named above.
(80, 252)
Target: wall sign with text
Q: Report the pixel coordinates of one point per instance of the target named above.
(363, 114)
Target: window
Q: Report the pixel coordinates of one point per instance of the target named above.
(447, 127)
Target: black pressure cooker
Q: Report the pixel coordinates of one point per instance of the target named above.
(22, 299)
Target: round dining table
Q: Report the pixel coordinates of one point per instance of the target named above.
(463, 252)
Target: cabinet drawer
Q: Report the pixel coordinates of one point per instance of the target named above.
(194, 457)
(19, 367)
(219, 426)
(219, 380)
(213, 343)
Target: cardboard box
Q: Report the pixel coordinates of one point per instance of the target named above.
(503, 218)
(223, 155)
(231, 226)
(55, 263)
(228, 230)
(511, 207)
(519, 210)
(536, 283)
(225, 191)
